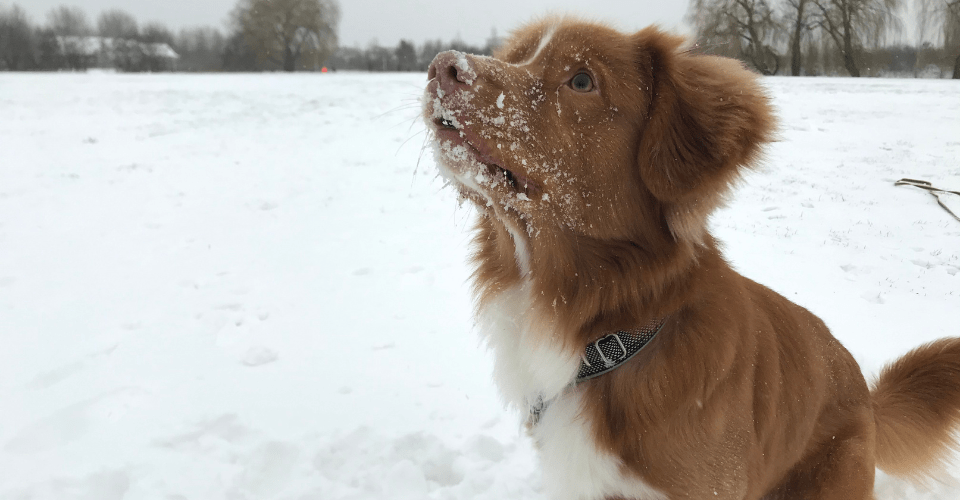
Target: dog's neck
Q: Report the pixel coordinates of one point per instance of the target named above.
(589, 286)
(543, 300)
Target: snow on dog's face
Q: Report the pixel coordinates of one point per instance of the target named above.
(531, 133)
(574, 126)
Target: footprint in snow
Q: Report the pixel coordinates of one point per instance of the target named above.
(258, 356)
(49, 378)
(72, 422)
(924, 264)
(267, 470)
(489, 424)
(105, 485)
(226, 427)
(263, 205)
(486, 447)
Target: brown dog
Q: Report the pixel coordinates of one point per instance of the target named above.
(594, 158)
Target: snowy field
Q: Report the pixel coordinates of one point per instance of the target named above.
(243, 287)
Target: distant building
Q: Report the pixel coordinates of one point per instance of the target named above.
(82, 52)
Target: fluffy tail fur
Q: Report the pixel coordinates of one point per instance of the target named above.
(916, 405)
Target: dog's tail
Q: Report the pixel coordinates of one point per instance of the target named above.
(916, 405)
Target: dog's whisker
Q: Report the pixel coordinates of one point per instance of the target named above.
(413, 121)
(398, 108)
(408, 140)
(423, 147)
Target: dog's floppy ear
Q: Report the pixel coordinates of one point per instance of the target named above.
(707, 118)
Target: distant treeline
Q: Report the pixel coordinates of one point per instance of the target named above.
(68, 41)
(786, 37)
(831, 37)
(406, 56)
(819, 58)
(254, 41)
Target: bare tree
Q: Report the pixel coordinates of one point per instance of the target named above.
(797, 18)
(379, 58)
(428, 51)
(944, 17)
(812, 62)
(285, 32)
(237, 54)
(200, 49)
(855, 24)
(116, 23)
(749, 24)
(406, 56)
(155, 57)
(68, 21)
(50, 55)
(16, 39)
(67, 48)
(157, 33)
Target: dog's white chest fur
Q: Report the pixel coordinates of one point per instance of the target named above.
(529, 364)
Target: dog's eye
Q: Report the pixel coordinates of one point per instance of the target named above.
(581, 82)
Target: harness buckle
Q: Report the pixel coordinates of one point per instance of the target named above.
(606, 342)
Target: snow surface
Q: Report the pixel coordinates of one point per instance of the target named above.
(236, 287)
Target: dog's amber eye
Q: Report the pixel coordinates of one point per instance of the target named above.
(581, 82)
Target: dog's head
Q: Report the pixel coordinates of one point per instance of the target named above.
(573, 126)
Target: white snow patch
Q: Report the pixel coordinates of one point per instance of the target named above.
(465, 69)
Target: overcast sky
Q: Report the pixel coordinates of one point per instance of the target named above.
(388, 21)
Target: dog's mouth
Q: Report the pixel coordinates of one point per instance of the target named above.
(518, 183)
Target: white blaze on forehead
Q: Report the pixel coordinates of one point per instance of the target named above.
(544, 40)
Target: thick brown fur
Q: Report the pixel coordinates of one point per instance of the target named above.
(744, 394)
